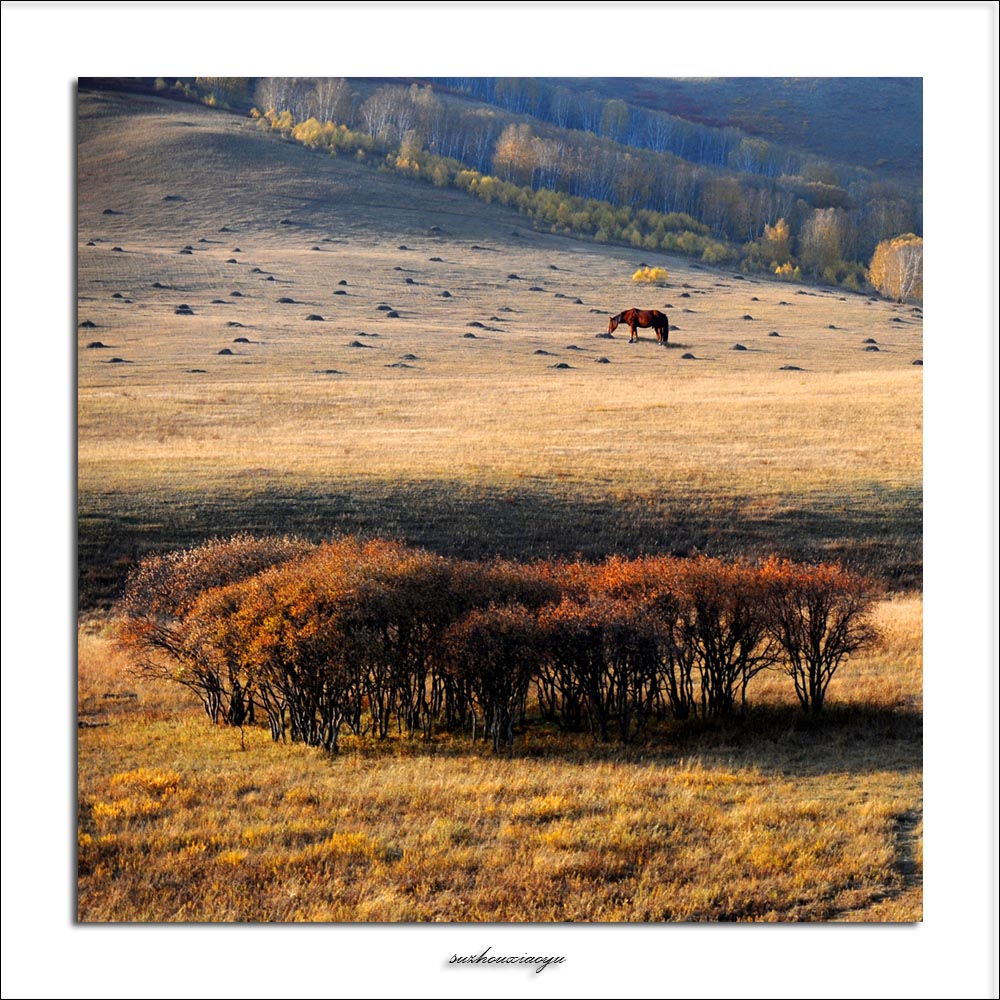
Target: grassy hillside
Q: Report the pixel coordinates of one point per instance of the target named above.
(448, 424)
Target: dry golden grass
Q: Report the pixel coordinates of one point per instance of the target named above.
(765, 820)
(478, 447)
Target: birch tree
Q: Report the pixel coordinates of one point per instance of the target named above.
(897, 268)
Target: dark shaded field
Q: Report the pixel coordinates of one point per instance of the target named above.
(877, 531)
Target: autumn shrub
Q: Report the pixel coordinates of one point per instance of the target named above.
(598, 666)
(293, 637)
(819, 615)
(495, 652)
(167, 618)
(721, 621)
(649, 587)
(649, 275)
(375, 636)
(703, 619)
(347, 636)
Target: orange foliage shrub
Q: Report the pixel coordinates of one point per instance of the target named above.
(819, 615)
(365, 636)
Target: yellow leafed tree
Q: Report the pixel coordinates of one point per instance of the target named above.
(650, 275)
(897, 268)
(777, 242)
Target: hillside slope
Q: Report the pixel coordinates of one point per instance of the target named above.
(218, 169)
(362, 352)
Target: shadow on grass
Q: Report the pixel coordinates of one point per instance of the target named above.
(876, 530)
(776, 740)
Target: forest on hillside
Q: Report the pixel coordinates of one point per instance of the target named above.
(581, 163)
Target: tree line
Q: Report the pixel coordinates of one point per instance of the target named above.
(376, 637)
(830, 220)
(584, 165)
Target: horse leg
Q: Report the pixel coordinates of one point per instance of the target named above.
(634, 333)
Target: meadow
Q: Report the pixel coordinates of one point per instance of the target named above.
(360, 354)
(767, 819)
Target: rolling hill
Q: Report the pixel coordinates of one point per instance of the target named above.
(363, 352)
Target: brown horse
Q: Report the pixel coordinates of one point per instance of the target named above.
(644, 318)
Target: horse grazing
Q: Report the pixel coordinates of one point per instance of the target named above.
(644, 318)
